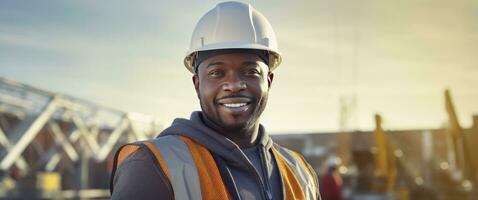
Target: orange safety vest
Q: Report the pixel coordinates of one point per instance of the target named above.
(298, 178)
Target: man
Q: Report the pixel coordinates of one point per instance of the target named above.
(331, 182)
(222, 152)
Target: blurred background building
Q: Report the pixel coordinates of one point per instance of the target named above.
(420, 164)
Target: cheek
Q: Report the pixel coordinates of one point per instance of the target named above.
(264, 87)
(206, 94)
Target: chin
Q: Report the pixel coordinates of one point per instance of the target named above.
(237, 125)
(233, 125)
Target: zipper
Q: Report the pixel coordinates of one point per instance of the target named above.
(265, 170)
(227, 177)
(257, 176)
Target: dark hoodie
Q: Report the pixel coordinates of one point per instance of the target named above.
(251, 172)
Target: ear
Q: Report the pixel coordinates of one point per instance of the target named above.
(196, 83)
(270, 77)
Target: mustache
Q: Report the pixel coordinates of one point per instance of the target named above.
(235, 96)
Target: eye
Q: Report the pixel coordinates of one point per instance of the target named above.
(215, 73)
(252, 71)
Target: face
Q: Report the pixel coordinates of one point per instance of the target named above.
(233, 90)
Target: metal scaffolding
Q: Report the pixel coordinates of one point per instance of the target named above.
(45, 132)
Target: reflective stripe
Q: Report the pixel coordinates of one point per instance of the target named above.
(212, 186)
(302, 176)
(309, 170)
(181, 166)
(290, 182)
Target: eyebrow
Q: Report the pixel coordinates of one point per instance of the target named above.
(215, 63)
(247, 63)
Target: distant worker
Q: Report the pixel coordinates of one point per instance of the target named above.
(221, 152)
(331, 182)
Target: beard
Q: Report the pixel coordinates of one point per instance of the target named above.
(238, 125)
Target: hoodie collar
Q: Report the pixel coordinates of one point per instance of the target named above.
(197, 130)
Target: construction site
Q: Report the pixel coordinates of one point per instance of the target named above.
(71, 72)
(55, 146)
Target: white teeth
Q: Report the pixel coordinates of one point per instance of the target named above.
(235, 105)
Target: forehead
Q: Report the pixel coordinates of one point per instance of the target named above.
(236, 59)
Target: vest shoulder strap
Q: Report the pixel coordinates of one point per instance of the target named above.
(189, 166)
(126, 151)
(212, 186)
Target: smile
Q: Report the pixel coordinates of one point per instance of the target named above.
(234, 105)
(235, 108)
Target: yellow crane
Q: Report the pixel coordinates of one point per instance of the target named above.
(461, 162)
(385, 162)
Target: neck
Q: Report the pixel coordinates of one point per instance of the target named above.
(244, 138)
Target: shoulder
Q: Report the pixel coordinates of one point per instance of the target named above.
(148, 152)
(167, 140)
(137, 174)
(164, 161)
(300, 166)
(289, 154)
(138, 178)
(138, 158)
(172, 148)
(294, 158)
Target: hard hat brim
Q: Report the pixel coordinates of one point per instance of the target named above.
(274, 60)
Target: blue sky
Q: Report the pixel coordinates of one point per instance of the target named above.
(395, 57)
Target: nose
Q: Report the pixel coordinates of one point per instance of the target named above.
(234, 84)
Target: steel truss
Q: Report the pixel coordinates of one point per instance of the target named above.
(42, 131)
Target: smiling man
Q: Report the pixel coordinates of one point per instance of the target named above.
(221, 152)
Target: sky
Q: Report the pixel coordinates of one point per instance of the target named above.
(394, 58)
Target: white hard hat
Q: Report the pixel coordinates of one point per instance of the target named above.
(333, 161)
(233, 25)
